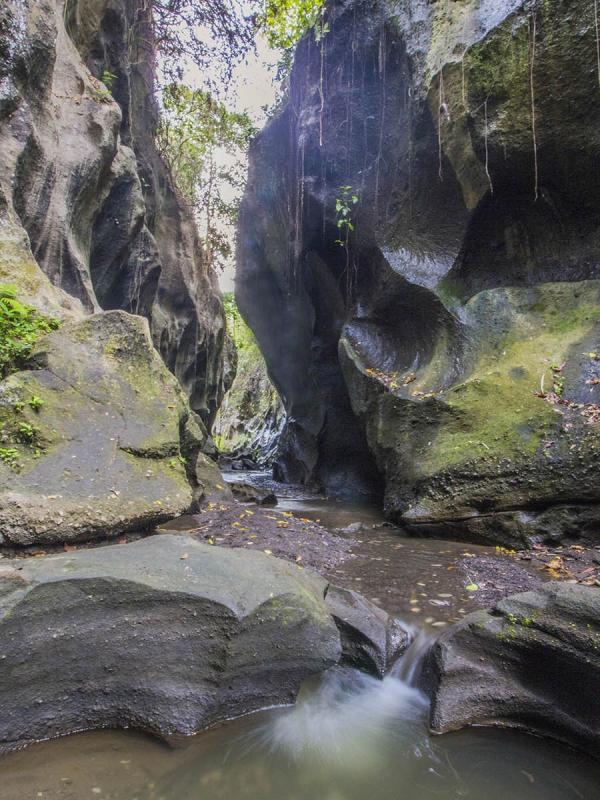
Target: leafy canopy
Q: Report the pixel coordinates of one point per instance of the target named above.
(194, 131)
(208, 33)
(215, 34)
(286, 21)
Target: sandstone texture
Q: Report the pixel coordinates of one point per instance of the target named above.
(169, 636)
(460, 140)
(110, 444)
(531, 662)
(83, 191)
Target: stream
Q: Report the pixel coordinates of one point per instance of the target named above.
(349, 736)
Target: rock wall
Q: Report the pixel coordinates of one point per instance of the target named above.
(251, 416)
(408, 355)
(82, 182)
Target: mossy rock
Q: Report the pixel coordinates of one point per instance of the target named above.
(106, 454)
(487, 443)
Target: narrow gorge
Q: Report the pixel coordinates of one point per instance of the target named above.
(334, 535)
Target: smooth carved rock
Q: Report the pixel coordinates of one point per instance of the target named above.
(532, 662)
(410, 357)
(81, 181)
(107, 450)
(167, 635)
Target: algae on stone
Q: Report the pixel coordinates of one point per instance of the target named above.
(107, 452)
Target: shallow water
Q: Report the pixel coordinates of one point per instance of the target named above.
(421, 580)
(349, 737)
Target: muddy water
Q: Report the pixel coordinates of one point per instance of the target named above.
(423, 581)
(349, 737)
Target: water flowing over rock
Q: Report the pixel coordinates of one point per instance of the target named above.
(81, 179)
(179, 636)
(532, 662)
(460, 141)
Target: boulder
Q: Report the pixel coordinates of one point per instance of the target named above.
(167, 635)
(531, 662)
(247, 493)
(94, 433)
(371, 639)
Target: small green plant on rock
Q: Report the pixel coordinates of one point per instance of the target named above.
(108, 78)
(20, 327)
(35, 402)
(27, 433)
(343, 211)
(558, 380)
(9, 456)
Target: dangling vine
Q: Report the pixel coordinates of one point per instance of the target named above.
(382, 75)
(321, 30)
(533, 28)
(463, 83)
(597, 37)
(344, 204)
(487, 155)
(441, 113)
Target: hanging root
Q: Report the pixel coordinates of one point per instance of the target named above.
(532, 90)
(442, 110)
(487, 155)
(597, 38)
(463, 82)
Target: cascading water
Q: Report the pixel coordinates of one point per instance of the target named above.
(346, 717)
(349, 737)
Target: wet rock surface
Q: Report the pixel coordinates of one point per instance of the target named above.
(104, 454)
(447, 348)
(531, 662)
(85, 190)
(179, 636)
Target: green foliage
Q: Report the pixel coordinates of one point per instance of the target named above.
(35, 402)
(9, 456)
(343, 211)
(108, 78)
(242, 336)
(194, 126)
(20, 328)
(287, 21)
(27, 433)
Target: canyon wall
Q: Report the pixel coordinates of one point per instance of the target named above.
(81, 177)
(444, 344)
(96, 435)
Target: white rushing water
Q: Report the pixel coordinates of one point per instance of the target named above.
(349, 737)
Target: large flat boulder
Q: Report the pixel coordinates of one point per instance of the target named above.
(168, 635)
(100, 437)
(532, 662)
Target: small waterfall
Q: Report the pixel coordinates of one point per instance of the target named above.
(409, 666)
(347, 718)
